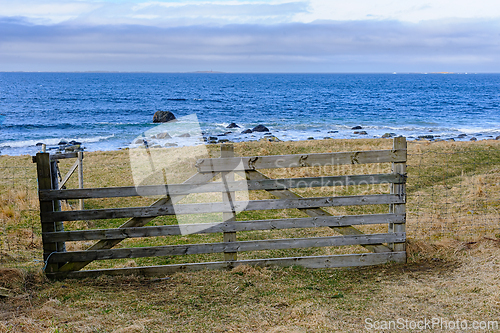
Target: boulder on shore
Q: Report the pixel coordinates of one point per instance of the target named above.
(232, 125)
(163, 116)
(164, 135)
(260, 128)
(247, 131)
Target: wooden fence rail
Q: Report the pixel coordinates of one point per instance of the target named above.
(385, 247)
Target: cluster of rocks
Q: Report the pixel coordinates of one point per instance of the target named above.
(356, 128)
(463, 136)
(64, 146)
(166, 116)
(257, 129)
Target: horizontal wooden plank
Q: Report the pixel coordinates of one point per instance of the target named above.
(257, 245)
(345, 260)
(183, 189)
(171, 230)
(300, 160)
(63, 156)
(60, 156)
(239, 206)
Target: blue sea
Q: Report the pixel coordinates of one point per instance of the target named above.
(107, 111)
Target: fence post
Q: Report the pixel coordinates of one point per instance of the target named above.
(227, 150)
(45, 183)
(80, 176)
(59, 226)
(400, 189)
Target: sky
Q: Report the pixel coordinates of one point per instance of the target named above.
(319, 36)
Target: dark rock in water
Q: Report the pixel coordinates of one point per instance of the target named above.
(357, 128)
(223, 140)
(428, 137)
(451, 139)
(163, 136)
(497, 138)
(212, 138)
(310, 138)
(75, 143)
(462, 135)
(232, 125)
(39, 144)
(62, 142)
(360, 132)
(387, 135)
(326, 138)
(260, 128)
(163, 116)
(333, 131)
(228, 133)
(317, 131)
(185, 135)
(473, 139)
(247, 131)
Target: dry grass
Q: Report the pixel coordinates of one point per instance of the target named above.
(453, 269)
(451, 280)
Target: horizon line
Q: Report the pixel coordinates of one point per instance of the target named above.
(242, 72)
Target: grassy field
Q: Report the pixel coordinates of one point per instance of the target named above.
(452, 271)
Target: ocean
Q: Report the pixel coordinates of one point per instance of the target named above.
(108, 111)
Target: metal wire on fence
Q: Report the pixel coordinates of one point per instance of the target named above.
(454, 194)
(20, 238)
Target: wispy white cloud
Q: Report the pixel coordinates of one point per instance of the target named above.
(158, 13)
(188, 12)
(400, 10)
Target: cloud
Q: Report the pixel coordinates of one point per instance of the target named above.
(354, 46)
(156, 13)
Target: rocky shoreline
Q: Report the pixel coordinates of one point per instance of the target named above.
(164, 136)
(235, 132)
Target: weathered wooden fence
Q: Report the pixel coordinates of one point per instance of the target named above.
(383, 247)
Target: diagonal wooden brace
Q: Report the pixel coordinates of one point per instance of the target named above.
(287, 194)
(198, 178)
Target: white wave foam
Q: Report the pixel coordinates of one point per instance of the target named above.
(52, 141)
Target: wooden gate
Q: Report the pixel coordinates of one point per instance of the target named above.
(383, 247)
